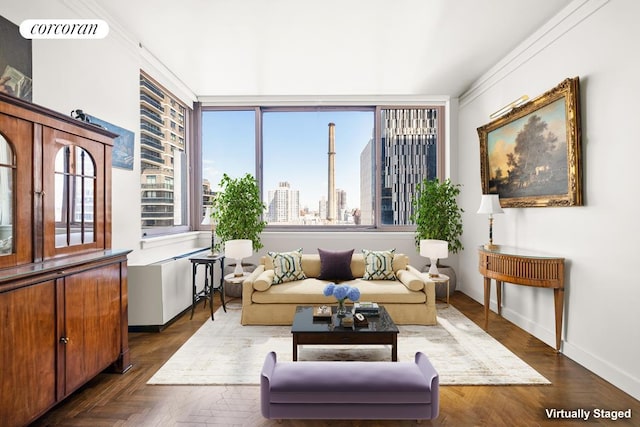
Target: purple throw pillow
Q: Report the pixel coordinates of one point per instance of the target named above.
(335, 265)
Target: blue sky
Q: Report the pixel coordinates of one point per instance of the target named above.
(295, 149)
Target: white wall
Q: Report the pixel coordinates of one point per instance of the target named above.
(101, 77)
(593, 40)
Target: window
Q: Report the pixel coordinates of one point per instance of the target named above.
(408, 156)
(163, 154)
(345, 167)
(228, 146)
(313, 166)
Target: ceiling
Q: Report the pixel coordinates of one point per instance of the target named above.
(330, 47)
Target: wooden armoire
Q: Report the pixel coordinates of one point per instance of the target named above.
(63, 290)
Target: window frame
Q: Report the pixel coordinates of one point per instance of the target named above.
(190, 139)
(376, 107)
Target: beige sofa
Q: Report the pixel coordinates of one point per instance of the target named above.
(410, 300)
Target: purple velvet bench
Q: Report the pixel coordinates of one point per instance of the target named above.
(349, 390)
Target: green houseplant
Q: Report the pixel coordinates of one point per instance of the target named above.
(436, 212)
(437, 216)
(237, 211)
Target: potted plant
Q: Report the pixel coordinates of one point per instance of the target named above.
(437, 216)
(237, 211)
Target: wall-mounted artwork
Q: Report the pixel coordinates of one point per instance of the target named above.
(15, 61)
(122, 154)
(532, 155)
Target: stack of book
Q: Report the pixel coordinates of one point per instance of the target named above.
(367, 308)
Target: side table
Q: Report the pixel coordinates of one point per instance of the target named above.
(208, 291)
(232, 279)
(440, 279)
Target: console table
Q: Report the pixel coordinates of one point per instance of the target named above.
(522, 267)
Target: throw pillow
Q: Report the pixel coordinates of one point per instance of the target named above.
(287, 266)
(335, 265)
(378, 265)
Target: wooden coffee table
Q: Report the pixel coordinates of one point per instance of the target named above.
(307, 331)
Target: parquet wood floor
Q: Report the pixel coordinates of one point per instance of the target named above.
(126, 400)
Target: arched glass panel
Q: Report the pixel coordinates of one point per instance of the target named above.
(75, 187)
(7, 171)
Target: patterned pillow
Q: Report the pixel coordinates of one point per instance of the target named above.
(287, 266)
(378, 265)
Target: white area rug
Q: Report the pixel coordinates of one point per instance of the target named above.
(225, 352)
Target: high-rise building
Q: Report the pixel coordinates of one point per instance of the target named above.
(283, 204)
(409, 153)
(162, 155)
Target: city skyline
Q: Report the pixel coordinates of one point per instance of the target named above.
(291, 140)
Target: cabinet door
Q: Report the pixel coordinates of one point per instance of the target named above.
(28, 349)
(73, 180)
(92, 323)
(16, 191)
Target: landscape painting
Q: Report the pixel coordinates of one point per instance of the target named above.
(531, 156)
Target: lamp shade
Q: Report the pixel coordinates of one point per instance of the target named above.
(490, 204)
(238, 249)
(436, 249)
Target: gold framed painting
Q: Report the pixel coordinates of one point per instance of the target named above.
(531, 156)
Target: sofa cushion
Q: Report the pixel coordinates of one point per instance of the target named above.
(349, 383)
(310, 291)
(378, 265)
(335, 265)
(287, 266)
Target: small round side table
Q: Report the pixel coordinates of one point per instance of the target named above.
(236, 280)
(440, 279)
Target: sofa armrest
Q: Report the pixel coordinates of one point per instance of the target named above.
(415, 271)
(265, 379)
(429, 285)
(247, 285)
(431, 375)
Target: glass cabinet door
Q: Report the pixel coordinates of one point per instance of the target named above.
(7, 185)
(16, 191)
(73, 180)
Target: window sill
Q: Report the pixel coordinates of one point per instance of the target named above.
(168, 240)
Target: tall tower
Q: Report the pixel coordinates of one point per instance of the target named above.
(331, 197)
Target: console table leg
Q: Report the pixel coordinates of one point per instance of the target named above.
(558, 297)
(487, 294)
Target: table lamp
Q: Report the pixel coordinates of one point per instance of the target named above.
(490, 204)
(434, 250)
(208, 220)
(238, 249)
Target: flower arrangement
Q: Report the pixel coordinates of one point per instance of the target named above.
(341, 293)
